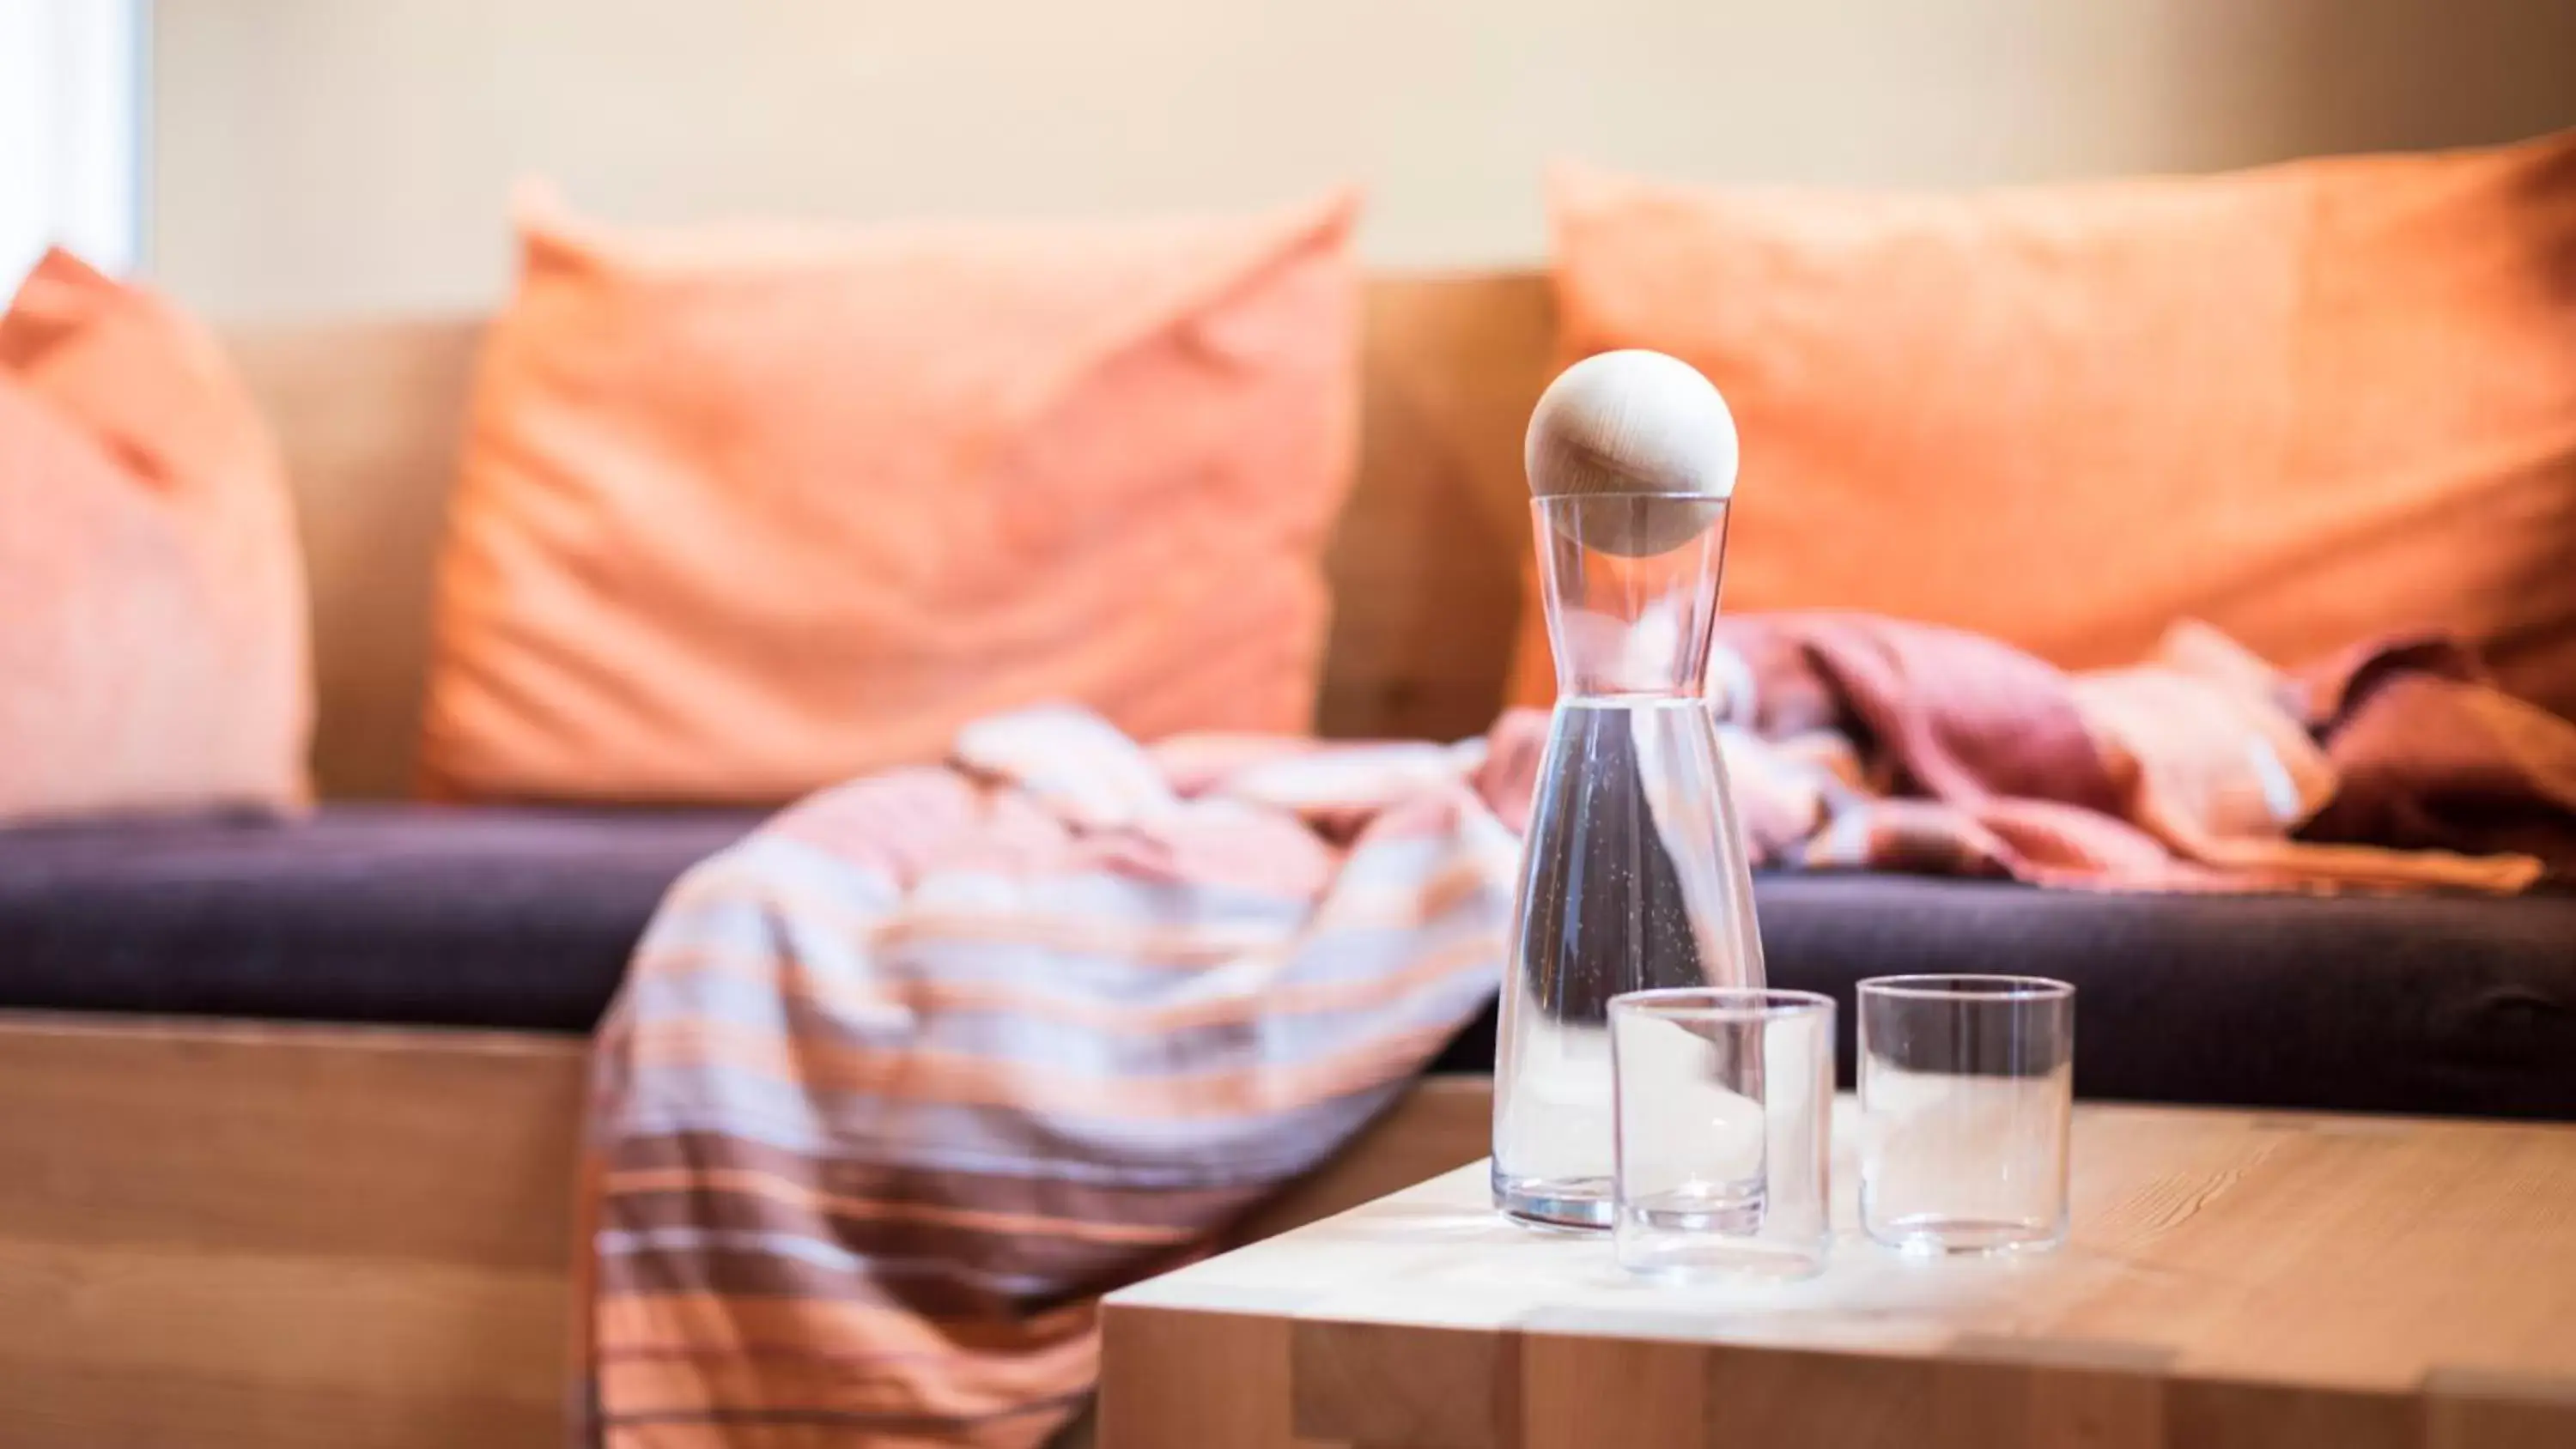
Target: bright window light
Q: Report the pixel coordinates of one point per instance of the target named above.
(71, 151)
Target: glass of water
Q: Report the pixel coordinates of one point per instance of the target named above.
(1722, 1111)
(1967, 1085)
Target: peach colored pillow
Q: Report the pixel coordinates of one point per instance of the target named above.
(152, 615)
(749, 509)
(2307, 403)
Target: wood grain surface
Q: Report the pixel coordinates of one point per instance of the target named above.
(257, 1236)
(2234, 1281)
(1427, 561)
(245, 1236)
(370, 416)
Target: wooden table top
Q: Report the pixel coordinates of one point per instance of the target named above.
(2232, 1279)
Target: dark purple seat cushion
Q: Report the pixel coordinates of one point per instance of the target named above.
(2350, 1003)
(523, 918)
(410, 914)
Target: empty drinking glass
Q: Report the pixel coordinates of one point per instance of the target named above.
(1722, 1115)
(1966, 1090)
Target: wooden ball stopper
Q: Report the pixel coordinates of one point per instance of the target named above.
(1631, 423)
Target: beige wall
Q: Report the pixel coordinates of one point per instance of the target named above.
(337, 155)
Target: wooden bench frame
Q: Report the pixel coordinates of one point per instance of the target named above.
(282, 1236)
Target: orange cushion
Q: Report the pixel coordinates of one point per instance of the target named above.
(746, 510)
(152, 617)
(2306, 403)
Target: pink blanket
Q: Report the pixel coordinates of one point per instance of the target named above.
(1865, 742)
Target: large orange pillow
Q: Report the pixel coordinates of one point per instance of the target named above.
(749, 509)
(2307, 403)
(152, 618)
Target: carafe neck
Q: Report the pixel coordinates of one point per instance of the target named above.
(1630, 585)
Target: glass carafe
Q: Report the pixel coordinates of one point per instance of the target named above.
(1634, 872)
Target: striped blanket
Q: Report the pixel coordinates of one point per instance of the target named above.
(903, 1080)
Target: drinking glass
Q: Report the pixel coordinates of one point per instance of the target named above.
(1967, 1086)
(1722, 1111)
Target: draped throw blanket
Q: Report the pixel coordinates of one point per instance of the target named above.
(902, 1081)
(1858, 741)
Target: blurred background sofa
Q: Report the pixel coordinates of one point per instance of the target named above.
(390, 911)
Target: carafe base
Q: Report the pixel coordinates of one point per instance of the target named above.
(1567, 1202)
